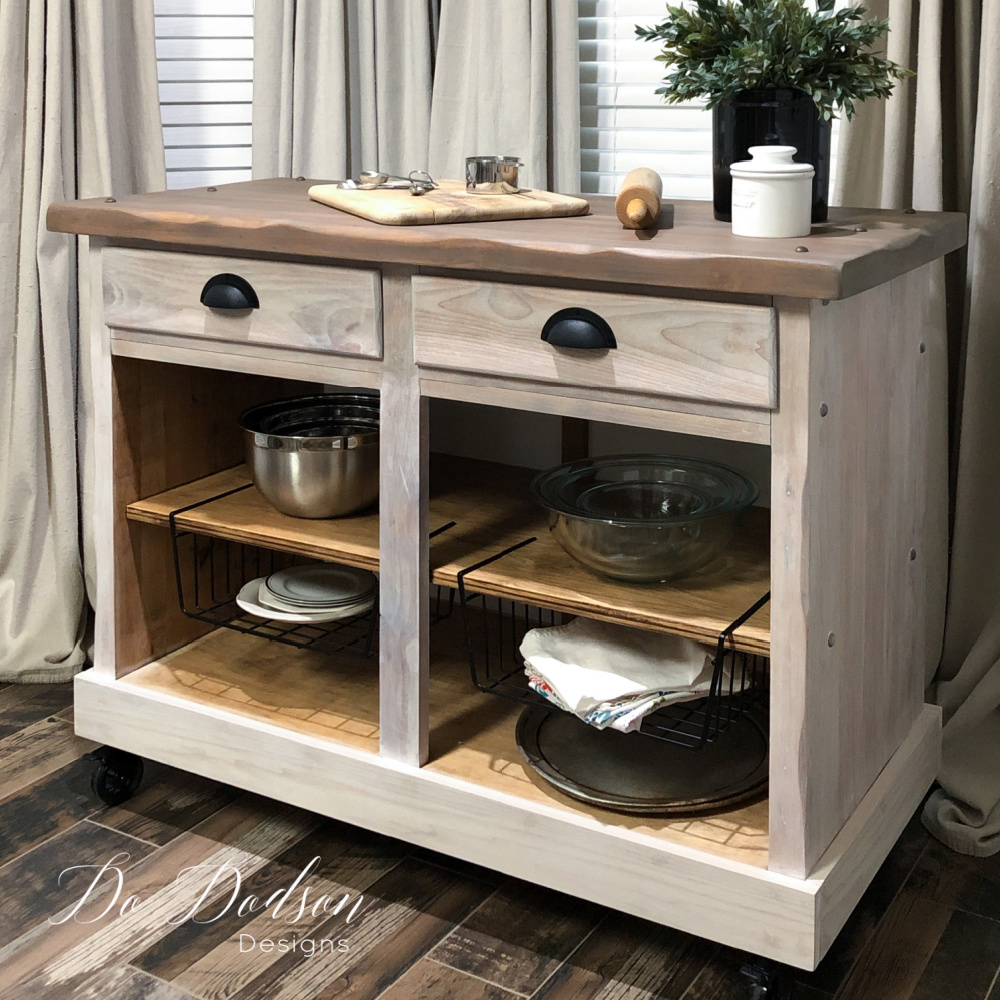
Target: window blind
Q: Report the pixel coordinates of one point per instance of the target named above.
(204, 62)
(624, 124)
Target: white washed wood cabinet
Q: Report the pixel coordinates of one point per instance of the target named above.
(831, 355)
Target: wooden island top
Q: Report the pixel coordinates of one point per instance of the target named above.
(855, 250)
(715, 337)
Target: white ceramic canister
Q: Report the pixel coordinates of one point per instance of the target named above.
(772, 195)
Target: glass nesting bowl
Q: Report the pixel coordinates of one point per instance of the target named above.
(644, 518)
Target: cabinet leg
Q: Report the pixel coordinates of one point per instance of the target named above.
(117, 775)
(404, 569)
(767, 980)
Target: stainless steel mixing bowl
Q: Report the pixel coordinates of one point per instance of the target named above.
(644, 518)
(492, 174)
(315, 456)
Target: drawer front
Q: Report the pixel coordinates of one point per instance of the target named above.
(309, 307)
(686, 349)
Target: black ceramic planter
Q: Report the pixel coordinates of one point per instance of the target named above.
(769, 118)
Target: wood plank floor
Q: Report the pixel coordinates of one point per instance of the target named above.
(415, 925)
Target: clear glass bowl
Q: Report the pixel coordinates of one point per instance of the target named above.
(644, 518)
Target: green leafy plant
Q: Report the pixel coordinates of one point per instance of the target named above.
(716, 48)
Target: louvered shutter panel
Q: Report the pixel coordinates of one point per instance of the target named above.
(204, 60)
(624, 124)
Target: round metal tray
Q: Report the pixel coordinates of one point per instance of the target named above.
(633, 773)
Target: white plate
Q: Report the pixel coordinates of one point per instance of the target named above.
(321, 585)
(272, 600)
(268, 600)
(248, 599)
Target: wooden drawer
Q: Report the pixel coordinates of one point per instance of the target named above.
(682, 348)
(308, 307)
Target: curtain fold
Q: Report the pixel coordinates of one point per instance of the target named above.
(80, 117)
(345, 87)
(507, 81)
(936, 145)
(341, 87)
(965, 813)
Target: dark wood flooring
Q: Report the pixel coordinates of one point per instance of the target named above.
(426, 927)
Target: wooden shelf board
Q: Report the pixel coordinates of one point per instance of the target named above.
(248, 518)
(335, 698)
(699, 606)
(488, 502)
(471, 733)
(492, 510)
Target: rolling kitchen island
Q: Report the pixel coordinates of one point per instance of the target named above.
(827, 349)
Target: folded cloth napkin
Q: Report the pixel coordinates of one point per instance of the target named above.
(614, 675)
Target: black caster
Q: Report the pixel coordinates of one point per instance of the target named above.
(768, 980)
(117, 775)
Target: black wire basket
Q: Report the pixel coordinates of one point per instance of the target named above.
(210, 572)
(495, 628)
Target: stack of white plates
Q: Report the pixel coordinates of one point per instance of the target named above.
(316, 592)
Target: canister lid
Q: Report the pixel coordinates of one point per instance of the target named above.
(772, 161)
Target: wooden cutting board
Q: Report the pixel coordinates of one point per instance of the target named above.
(449, 202)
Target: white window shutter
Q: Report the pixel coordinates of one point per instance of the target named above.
(624, 123)
(204, 54)
(204, 61)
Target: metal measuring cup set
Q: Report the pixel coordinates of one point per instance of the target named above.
(483, 175)
(419, 182)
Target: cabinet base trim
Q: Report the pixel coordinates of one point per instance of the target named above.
(787, 919)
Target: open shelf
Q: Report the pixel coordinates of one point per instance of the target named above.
(472, 739)
(246, 517)
(335, 698)
(699, 606)
(475, 504)
(476, 510)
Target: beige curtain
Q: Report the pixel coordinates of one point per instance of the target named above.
(79, 117)
(348, 86)
(508, 81)
(936, 145)
(341, 87)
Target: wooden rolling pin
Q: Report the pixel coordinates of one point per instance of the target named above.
(638, 202)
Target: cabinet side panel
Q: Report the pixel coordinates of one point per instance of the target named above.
(95, 434)
(170, 424)
(856, 566)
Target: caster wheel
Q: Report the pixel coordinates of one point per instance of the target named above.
(768, 980)
(117, 775)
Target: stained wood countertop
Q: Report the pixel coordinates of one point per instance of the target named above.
(690, 250)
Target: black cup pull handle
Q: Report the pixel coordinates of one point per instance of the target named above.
(229, 291)
(579, 328)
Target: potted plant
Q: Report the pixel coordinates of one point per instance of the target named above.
(773, 72)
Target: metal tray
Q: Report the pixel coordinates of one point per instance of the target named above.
(625, 773)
